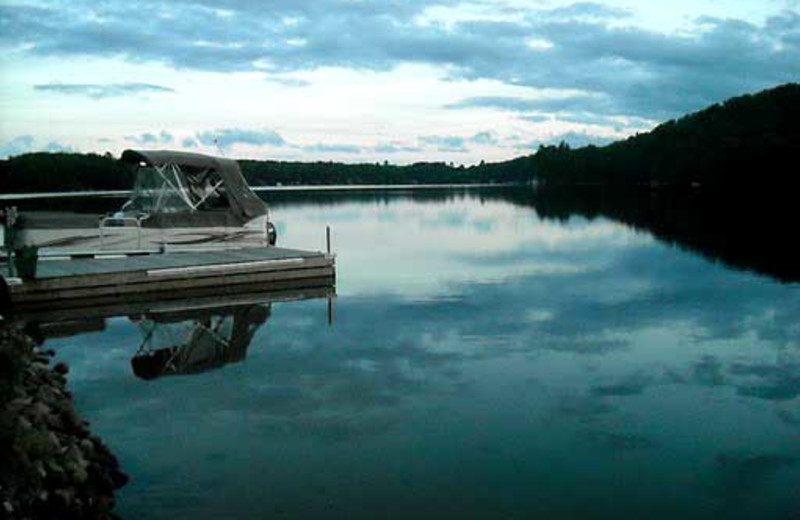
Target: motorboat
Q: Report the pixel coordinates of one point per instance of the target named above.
(180, 202)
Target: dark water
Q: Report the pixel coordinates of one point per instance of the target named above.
(484, 362)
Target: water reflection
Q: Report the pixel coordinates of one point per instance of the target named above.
(746, 230)
(486, 361)
(191, 342)
(178, 336)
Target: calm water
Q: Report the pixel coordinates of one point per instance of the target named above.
(483, 363)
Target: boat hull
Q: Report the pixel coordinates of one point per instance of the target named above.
(134, 238)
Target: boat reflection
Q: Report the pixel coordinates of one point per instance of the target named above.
(180, 336)
(195, 341)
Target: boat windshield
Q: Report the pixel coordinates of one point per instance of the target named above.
(171, 189)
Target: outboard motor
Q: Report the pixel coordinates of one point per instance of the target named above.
(272, 234)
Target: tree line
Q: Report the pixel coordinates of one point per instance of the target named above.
(50, 172)
(746, 141)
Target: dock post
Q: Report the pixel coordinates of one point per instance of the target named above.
(328, 238)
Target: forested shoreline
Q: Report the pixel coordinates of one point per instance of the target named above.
(55, 172)
(744, 142)
(747, 141)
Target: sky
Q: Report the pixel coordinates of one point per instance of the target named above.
(372, 81)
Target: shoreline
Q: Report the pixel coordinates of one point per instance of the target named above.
(257, 189)
(51, 465)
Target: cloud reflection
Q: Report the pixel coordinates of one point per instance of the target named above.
(624, 351)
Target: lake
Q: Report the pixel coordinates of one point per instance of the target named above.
(483, 361)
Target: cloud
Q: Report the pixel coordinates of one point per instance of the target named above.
(513, 104)
(630, 71)
(97, 91)
(149, 138)
(27, 144)
(709, 371)
(536, 118)
(573, 139)
(587, 104)
(484, 138)
(445, 143)
(56, 147)
(332, 148)
(453, 143)
(289, 82)
(581, 407)
(228, 137)
(777, 382)
(390, 148)
(590, 10)
(632, 385)
(305, 383)
(146, 138)
(17, 146)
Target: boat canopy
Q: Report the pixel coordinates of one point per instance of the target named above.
(173, 183)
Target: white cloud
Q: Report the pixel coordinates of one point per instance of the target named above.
(361, 75)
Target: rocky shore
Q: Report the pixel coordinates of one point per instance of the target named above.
(51, 465)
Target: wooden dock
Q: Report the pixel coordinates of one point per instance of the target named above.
(71, 283)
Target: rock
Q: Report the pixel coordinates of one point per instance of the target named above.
(65, 496)
(57, 474)
(87, 447)
(16, 405)
(24, 424)
(81, 431)
(74, 456)
(54, 440)
(80, 475)
(54, 422)
(70, 420)
(119, 478)
(105, 503)
(38, 412)
(105, 456)
(38, 466)
(102, 481)
(59, 469)
(48, 394)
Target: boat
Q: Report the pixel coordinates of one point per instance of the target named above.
(180, 202)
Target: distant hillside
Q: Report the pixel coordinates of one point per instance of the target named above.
(51, 172)
(271, 173)
(47, 172)
(747, 141)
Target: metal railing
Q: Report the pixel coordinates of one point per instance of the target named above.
(119, 224)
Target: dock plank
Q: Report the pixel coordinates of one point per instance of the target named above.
(91, 278)
(93, 266)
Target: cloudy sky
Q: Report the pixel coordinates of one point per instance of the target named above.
(364, 81)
